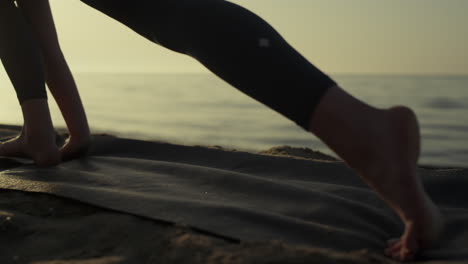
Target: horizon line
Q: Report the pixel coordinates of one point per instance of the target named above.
(415, 74)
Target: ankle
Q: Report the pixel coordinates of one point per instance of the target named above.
(37, 121)
(38, 133)
(36, 116)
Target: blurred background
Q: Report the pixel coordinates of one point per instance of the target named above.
(383, 52)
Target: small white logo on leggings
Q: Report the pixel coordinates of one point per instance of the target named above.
(263, 42)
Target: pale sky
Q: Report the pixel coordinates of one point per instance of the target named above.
(338, 36)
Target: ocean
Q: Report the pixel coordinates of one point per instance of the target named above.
(201, 109)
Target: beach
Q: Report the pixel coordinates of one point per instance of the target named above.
(205, 132)
(46, 229)
(102, 209)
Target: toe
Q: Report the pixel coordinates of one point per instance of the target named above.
(394, 249)
(403, 254)
(408, 250)
(403, 249)
(392, 241)
(400, 252)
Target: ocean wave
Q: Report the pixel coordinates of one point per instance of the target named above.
(446, 103)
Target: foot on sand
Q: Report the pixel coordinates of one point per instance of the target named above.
(392, 172)
(42, 150)
(382, 146)
(418, 235)
(75, 148)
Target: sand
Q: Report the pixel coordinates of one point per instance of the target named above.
(44, 228)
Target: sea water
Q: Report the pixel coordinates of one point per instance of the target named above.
(204, 110)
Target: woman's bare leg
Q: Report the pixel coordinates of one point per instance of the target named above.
(382, 146)
(21, 58)
(59, 77)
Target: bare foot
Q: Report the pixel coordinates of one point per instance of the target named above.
(392, 172)
(37, 140)
(403, 189)
(382, 146)
(42, 151)
(417, 236)
(75, 148)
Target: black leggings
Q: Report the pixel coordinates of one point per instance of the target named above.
(233, 43)
(20, 53)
